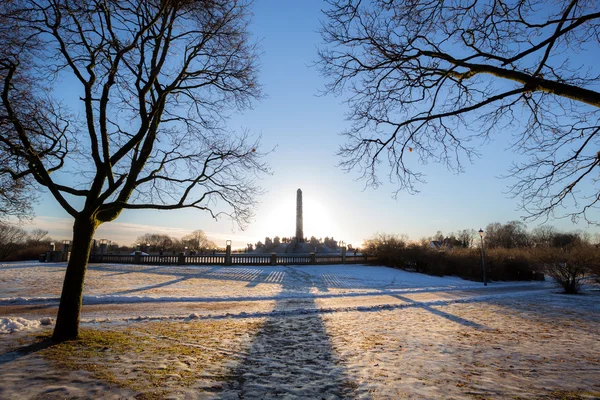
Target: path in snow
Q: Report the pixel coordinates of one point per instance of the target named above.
(290, 356)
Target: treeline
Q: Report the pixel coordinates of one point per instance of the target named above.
(512, 235)
(16, 244)
(511, 253)
(196, 241)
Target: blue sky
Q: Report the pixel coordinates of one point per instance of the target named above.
(304, 128)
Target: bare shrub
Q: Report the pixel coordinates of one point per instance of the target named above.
(30, 252)
(570, 267)
(390, 249)
(18, 245)
(11, 238)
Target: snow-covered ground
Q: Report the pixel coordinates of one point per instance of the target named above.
(305, 332)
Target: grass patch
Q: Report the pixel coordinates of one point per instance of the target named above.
(574, 395)
(155, 359)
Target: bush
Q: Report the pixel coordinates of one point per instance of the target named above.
(501, 264)
(389, 249)
(569, 267)
(567, 275)
(30, 252)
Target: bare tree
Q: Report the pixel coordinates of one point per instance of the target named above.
(15, 194)
(155, 81)
(511, 235)
(38, 236)
(157, 242)
(15, 200)
(12, 237)
(542, 236)
(198, 240)
(432, 80)
(466, 237)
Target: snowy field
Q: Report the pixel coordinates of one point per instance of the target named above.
(295, 332)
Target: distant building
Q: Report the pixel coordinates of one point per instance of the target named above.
(442, 245)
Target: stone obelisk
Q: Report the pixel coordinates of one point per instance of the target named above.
(299, 228)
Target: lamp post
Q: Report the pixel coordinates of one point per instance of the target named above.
(482, 257)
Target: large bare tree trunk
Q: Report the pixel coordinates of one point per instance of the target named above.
(67, 321)
(187, 107)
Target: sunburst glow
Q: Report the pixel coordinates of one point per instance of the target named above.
(318, 220)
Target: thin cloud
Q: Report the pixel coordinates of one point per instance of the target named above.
(125, 233)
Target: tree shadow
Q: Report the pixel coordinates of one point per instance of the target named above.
(291, 356)
(150, 287)
(26, 350)
(440, 313)
(145, 271)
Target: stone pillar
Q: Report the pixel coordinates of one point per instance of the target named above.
(103, 246)
(181, 259)
(228, 254)
(299, 222)
(49, 252)
(65, 250)
(343, 250)
(56, 256)
(137, 257)
(313, 259)
(273, 258)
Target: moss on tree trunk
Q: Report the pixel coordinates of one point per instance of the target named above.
(69, 310)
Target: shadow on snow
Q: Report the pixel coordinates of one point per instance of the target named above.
(291, 356)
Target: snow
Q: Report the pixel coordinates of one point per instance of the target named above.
(39, 282)
(10, 325)
(333, 331)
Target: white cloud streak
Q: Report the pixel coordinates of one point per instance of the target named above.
(125, 233)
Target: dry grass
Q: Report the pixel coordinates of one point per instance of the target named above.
(155, 359)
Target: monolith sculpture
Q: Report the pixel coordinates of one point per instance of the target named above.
(299, 227)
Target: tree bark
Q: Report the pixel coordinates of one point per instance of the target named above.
(67, 321)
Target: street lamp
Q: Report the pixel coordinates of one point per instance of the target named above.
(482, 257)
(228, 242)
(66, 242)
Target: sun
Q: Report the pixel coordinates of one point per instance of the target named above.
(319, 221)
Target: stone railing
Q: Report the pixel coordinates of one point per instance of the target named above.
(233, 259)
